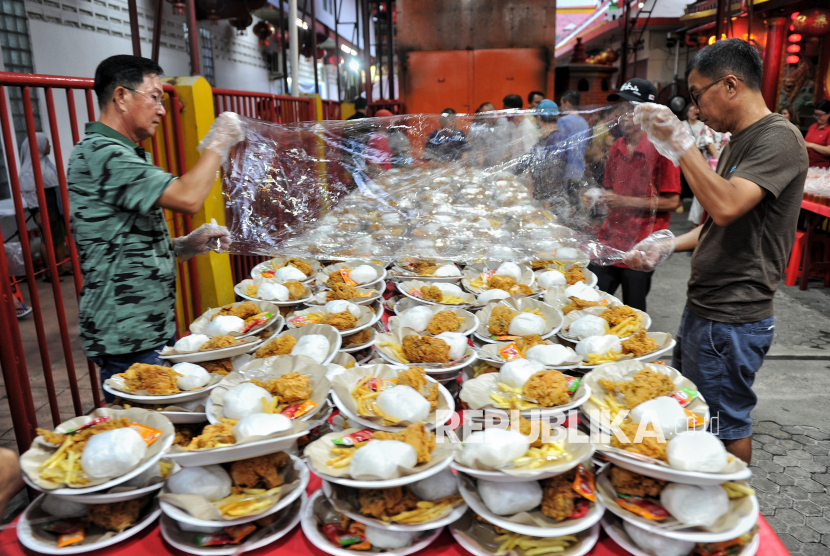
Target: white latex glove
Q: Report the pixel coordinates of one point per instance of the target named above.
(205, 238)
(667, 133)
(652, 252)
(225, 132)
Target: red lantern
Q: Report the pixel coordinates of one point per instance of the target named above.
(263, 30)
(792, 59)
(814, 23)
(795, 38)
(793, 49)
(241, 23)
(178, 6)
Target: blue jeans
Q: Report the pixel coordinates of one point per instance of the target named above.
(113, 364)
(722, 359)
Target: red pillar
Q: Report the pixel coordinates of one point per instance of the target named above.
(773, 57)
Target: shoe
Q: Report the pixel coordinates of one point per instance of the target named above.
(23, 311)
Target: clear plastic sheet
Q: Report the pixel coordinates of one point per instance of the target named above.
(508, 185)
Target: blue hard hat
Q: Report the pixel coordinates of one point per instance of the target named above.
(547, 107)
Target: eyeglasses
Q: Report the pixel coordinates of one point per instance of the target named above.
(158, 101)
(818, 114)
(696, 96)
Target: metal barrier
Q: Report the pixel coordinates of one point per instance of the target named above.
(395, 106)
(273, 108)
(331, 110)
(168, 151)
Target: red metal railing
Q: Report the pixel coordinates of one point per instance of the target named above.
(262, 106)
(395, 106)
(17, 380)
(331, 110)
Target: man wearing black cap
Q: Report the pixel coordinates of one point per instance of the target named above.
(638, 181)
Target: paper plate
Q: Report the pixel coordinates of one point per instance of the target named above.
(429, 367)
(405, 287)
(185, 417)
(235, 453)
(166, 400)
(331, 333)
(451, 517)
(648, 357)
(183, 516)
(322, 275)
(564, 333)
(109, 498)
(313, 534)
(489, 353)
(500, 477)
(553, 321)
(213, 420)
(256, 272)
(365, 423)
(319, 298)
(26, 535)
(353, 349)
(210, 355)
(675, 475)
(468, 326)
(387, 483)
(404, 304)
(591, 518)
(169, 530)
(587, 545)
(241, 288)
(399, 273)
(611, 524)
(376, 309)
(590, 278)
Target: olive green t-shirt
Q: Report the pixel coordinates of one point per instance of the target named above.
(736, 268)
(129, 270)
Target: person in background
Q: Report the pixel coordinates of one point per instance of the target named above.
(447, 143)
(818, 136)
(54, 206)
(399, 144)
(753, 201)
(128, 260)
(520, 131)
(642, 190)
(10, 480)
(791, 116)
(378, 153)
(534, 98)
(547, 162)
(694, 126)
(486, 148)
(575, 134)
(360, 105)
(602, 137)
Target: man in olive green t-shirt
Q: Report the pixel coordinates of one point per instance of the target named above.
(117, 197)
(740, 252)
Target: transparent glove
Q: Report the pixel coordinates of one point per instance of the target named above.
(651, 252)
(207, 237)
(225, 132)
(667, 133)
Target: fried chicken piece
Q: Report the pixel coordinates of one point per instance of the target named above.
(416, 436)
(259, 472)
(628, 482)
(218, 366)
(341, 321)
(577, 304)
(335, 278)
(416, 378)
(526, 342)
(220, 433)
(423, 349)
(386, 502)
(500, 319)
(52, 437)
(525, 428)
(296, 290)
(117, 516)
(299, 264)
(293, 387)
(648, 445)
(359, 338)
(558, 496)
(432, 293)
(219, 342)
(549, 388)
(500, 283)
(341, 291)
(185, 432)
(639, 344)
(574, 275)
(281, 345)
(155, 379)
(541, 265)
(615, 315)
(443, 321)
(520, 289)
(285, 310)
(418, 267)
(647, 384)
(242, 310)
(429, 270)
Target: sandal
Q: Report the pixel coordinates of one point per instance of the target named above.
(22, 311)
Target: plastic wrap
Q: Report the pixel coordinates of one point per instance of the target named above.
(458, 187)
(665, 130)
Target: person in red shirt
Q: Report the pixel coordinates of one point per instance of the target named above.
(378, 152)
(642, 190)
(818, 136)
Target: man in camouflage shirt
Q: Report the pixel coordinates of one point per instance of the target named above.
(127, 257)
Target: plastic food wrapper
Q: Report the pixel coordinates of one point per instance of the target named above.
(465, 188)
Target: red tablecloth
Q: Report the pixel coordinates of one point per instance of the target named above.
(150, 543)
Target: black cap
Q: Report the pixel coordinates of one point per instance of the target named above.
(636, 90)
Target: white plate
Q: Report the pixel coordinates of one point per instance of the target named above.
(104, 498)
(214, 420)
(199, 356)
(588, 543)
(236, 452)
(387, 483)
(353, 349)
(431, 367)
(257, 271)
(112, 482)
(185, 417)
(546, 412)
(183, 516)
(573, 339)
(422, 301)
(626, 544)
(591, 518)
(27, 539)
(451, 517)
(500, 477)
(355, 263)
(380, 289)
(653, 356)
(675, 475)
(166, 400)
(167, 523)
(377, 314)
(239, 291)
(313, 534)
(465, 328)
(365, 423)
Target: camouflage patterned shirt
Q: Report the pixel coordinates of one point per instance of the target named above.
(129, 270)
